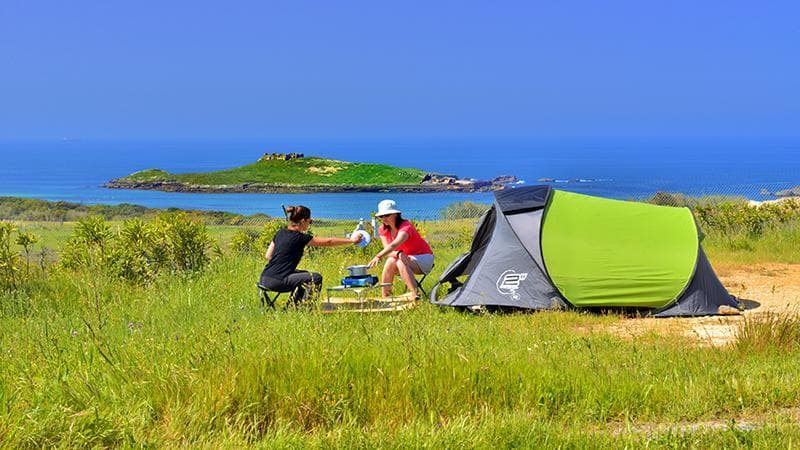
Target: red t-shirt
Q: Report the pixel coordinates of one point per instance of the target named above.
(414, 245)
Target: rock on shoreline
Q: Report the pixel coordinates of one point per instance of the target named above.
(793, 192)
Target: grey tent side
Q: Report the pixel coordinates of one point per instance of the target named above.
(501, 271)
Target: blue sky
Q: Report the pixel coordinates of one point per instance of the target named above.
(245, 69)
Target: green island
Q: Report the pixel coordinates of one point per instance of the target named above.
(294, 172)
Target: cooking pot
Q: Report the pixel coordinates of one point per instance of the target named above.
(357, 271)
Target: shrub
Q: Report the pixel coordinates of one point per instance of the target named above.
(187, 242)
(246, 242)
(465, 235)
(88, 246)
(464, 210)
(268, 232)
(682, 200)
(737, 220)
(26, 241)
(421, 228)
(138, 253)
(9, 259)
(42, 210)
(139, 250)
(11, 262)
(669, 199)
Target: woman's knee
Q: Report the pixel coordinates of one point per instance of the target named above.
(401, 265)
(316, 278)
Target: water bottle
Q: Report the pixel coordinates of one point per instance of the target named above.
(360, 224)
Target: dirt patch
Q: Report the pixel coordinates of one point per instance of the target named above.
(763, 288)
(735, 422)
(325, 170)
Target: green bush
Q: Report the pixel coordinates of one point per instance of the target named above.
(421, 228)
(464, 210)
(734, 220)
(464, 238)
(139, 253)
(9, 259)
(29, 209)
(89, 245)
(26, 240)
(268, 232)
(682, 200)
(186, 241)
(14, 270)
(246, 242)
(139, 250)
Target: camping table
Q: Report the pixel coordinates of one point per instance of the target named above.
(361, 292)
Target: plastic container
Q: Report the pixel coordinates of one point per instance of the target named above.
(365, 238)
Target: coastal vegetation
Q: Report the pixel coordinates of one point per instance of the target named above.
(147, 331)
(35, 210)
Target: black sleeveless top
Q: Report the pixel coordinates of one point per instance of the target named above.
(289, 246)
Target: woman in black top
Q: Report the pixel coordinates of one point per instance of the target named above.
(286, 250)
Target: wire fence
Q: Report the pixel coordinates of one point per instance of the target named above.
(450, 213)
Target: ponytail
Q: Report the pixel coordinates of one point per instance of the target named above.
(295, 214)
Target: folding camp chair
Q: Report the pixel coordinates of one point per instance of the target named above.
(419, 284)
(422, 280)
(267, 299)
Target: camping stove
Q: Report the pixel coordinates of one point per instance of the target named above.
(360, 281)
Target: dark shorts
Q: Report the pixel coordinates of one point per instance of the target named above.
(302, 284)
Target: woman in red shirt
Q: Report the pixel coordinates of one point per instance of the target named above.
(406, 251)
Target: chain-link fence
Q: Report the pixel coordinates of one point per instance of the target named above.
(746, 209)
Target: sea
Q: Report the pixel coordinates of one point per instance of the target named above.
(74, 170)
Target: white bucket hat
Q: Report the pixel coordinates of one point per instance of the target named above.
(386, 207)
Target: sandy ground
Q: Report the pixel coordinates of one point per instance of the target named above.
(764, 288)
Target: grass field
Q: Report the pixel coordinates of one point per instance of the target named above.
(193, 360)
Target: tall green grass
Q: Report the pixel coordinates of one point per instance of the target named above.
(193, 359)
(779, 332)
(780, 243)
(189, 358)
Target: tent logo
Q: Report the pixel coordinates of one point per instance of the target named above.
(508, 283)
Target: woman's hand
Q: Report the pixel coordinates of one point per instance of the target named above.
(374, 262)
(355, 238)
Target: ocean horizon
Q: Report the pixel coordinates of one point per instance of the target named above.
(74, 170)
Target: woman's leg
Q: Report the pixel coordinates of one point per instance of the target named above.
(407, 269)
(389, 272)
(304, 284)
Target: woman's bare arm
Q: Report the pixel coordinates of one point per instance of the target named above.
(389, 247)
(333, 242)
(270, 250)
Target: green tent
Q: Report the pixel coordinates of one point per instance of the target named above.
(540, 248)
